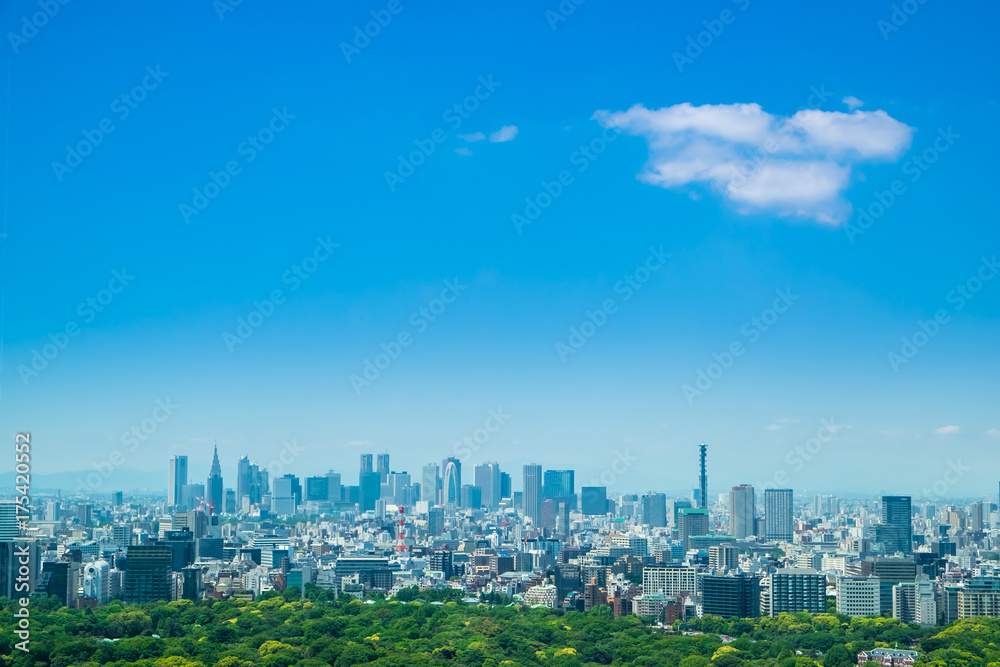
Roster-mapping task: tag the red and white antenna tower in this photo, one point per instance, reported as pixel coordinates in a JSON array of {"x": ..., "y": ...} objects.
[{"x": 401, "y": 533}]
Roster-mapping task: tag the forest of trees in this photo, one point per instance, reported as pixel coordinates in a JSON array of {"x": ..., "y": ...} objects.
[{"x": 433, "y": 628}]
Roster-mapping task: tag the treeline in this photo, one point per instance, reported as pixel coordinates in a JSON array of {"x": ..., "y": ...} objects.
[{"x": 435, "y": 628}]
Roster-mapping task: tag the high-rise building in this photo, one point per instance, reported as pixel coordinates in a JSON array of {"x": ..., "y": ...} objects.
[
  {"x": 366, "y": 464},
  {"x": 369, "y": 490},
  {"x": 177, "y": 477},
  {"x": 742, "y": 511},
  {"x": 654, "y": 510},
  {"x": 435, "y": 520},
  {"x": 430, "y": 483},
  {"x": 214, "y": 485},
  {"x": 451, "y": 489},
  {"x": 669, "y": 580},
  {"x": 895, "y": 532},
  {"x": 723, "y": 557},
  {"x": 532, "y": 498},
  {"x": 915, "y": 602},
  {"x": 283, "y": 496},
  {"x": 594, "y": 500},
  {"x": 334, "y": 488},
  {"x": 318, "y": 488},
  {"x": 383, "y": 467},
  {"x": 148, "y": 574},
  {"x": 15, "y": 554},
  {"x": 9, "y": 525},
  {"x": 472, "y": 497},
  {"x": 558, "y": 484},
  {"x": 778, "y": 512},
  {"x": 731, "y": 596},
  {"x": 980, "y": 596},
  {"x": 859, "y": 596},
  {"x": 892, "y": 570},
  {"x": 505, "y": 487},
  {"x": 487, "y": 478},
  {"x": 791, "y": 590},
  {"x": 692, "y": 523},
  {"x": 251, "y": 484}
]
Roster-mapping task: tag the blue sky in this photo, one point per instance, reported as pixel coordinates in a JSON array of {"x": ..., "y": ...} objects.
[{"x": 339, "y": 123}]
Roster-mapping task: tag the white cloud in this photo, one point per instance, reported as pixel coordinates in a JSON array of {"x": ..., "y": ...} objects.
[
  {"x": 947, "y": 430},
  {"x": 798, "y": 166},
  {"x": 505, "y": 133},
  {"x": 993, "y": 433},
  {"x": 772, "y": 427},
  {"x": 892, "y": 433},
  {"x": 475, "y": 136},
  {"x": 358, "y": 443},
  {"x": 463, "y": 151},
  {"x": 853, "y": 102}
]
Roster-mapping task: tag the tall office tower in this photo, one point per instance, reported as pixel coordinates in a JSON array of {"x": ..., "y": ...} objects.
[
  {"x": 730, "y": 597},
  {"x": 369, "y": 490},
  {"x": 317, "y": 488},
  {"x": 674, "y": 508},
  {"x": 703, "y": 478},
  {"x": 692, "y": 523},
  {"x": 383, "y": 466},
  {"x": 9, "y": 527},
  {"x": 594, "y": 500},
  {"x": 472, "y": 497},
  {"x": 334, "y": 487},
  {"x": 532, "y": 498},
  {"x": 895, "y": 532},
  {"x": 430, "y": 481},
  {"x": 859, "y": 596},
  {"x": 283, "y": 499},
  {"x": 177, "y": 477},
  {"x": 977, "y": 516},
  {"x": 558, "y": 484},
  {"x": 52, "y": 509},
  {"x": 251, "y": 483},
  {"x": 148, "y": 574},
  {"x": 214, "y": 486},
  {"x": 398, "y": 483},
  {"x": 487, "y": 478},
  {"x": 20, "y": 562},
  {"x": 451, "y": 490},
  {"x": 778, "y": 512},
  {"x": 654, "y": 510},
  {"x": 191, "y": 495},
  {"x": 435, "y": 521},
  {"x": 230, "y": 501},
  {"x": 119, "y": 498},
  {"x": 505, "y": 487},
  {"x": 791, "y": 590},
  {"x": 742, "y": 511},
  {"x": 366, "y": 463},
  {"x": 121, "y": 535}
]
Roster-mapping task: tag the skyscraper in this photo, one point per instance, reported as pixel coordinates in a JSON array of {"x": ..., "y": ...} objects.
[
  {"x": 451, "y": 489},
  {"x": 558, "y": 484},
  {"x": 430, "y": 481},
  {"x": 895, "y": 532},
  {"x": 383, "y": 467},
  {"x": 742, "y": 511},
  {"x": 214, "y": 485},
  {"x": 487, "y": 478},
  {"x": 251, "y": 483},
  {"x": 366, "y": 463},
  {"x": 533, "y": 493},
  {"x": 370, "y": 490},
  {"x": 177, "y": 477},
  {"x": 148, "y": 574},
  {"x": 778, "y": 512},
  {"x": 654, "y": 510}
]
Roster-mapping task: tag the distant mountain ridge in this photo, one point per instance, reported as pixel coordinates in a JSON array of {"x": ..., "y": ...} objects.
[{"x": 121, "y": 479}]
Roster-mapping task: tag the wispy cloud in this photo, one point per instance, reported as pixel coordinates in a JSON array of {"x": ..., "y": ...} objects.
[
  {"x": 358, "y": 443},
  {"x": 505, "y": 133},
  {"x": 471, "y": 138},
  {"x": 947, "y": 430},
  {"x": 463, "y": 151},
  {"x": 780, "y": 423},
  {"x": 853, "y": 102},
  {"x": 795, "y": 166},
  {"x": 993, "y": 433}
]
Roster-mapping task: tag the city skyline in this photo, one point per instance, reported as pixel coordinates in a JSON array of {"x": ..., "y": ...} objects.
[{"x": 497, "y": 314}]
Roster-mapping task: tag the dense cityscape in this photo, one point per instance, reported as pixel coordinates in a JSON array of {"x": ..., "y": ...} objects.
[{"x": 743, "y": 554}]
